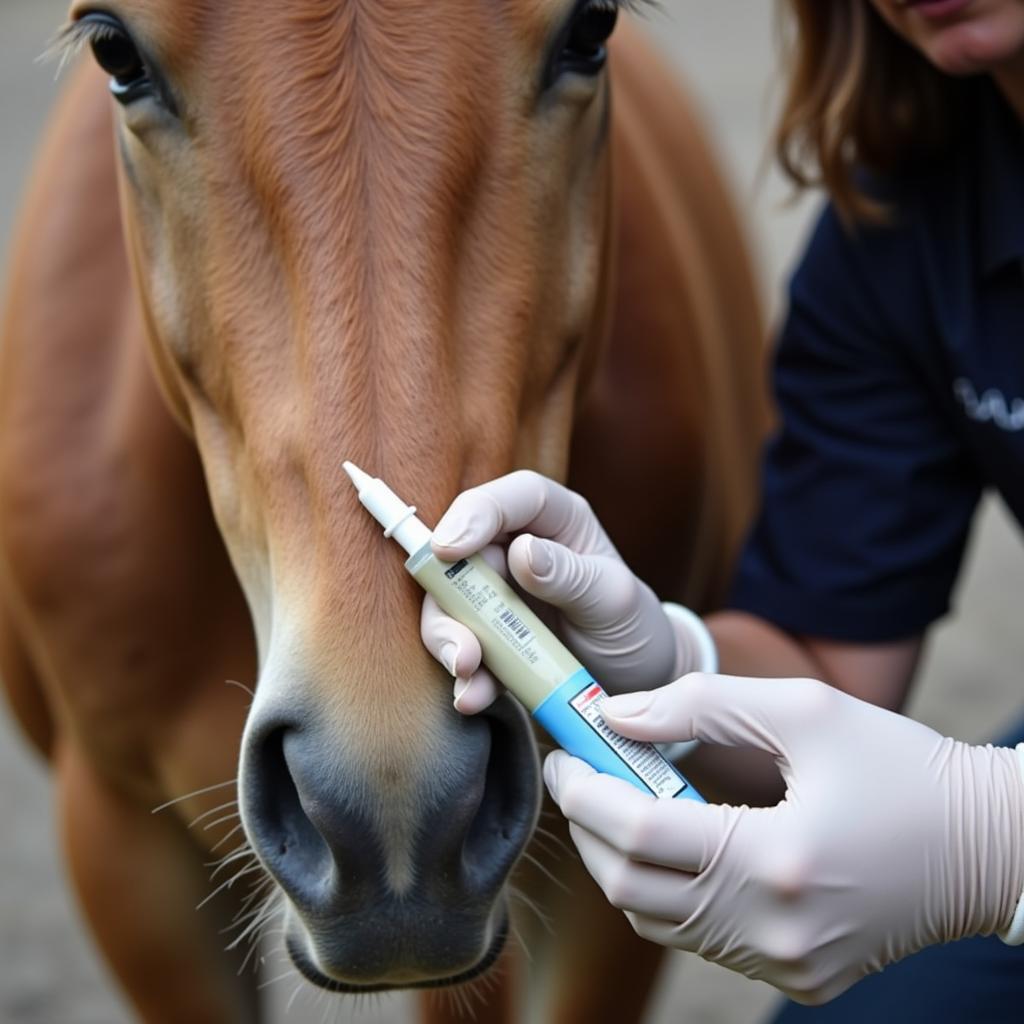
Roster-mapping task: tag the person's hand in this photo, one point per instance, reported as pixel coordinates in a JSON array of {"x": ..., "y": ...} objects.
[
  {"x": 890, "y": 838},
  {"x": 561, "y": 555}
]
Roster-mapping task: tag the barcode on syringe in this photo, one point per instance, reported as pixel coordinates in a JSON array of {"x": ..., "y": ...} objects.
[{"x": 515, "y": 624}]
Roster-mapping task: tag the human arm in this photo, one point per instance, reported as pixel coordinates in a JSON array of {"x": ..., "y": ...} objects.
[
  {"x": 750, "y": 646},
  {"x": 890, "y": 838}
]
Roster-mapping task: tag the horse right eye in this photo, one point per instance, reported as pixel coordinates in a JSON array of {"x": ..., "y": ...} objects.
[{"x": 118, "y": 55}]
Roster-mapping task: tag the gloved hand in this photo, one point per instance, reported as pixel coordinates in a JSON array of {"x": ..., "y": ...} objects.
[
  {"x": 611, "y": 620},
  {"x": 890, "y": 838}
]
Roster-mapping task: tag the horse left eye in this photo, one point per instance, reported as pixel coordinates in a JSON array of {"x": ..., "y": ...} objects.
[{"x": 583, "y": 50}]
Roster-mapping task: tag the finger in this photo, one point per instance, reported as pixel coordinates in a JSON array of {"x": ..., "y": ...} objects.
[
  {"x": 678, "y": 834},
  {"x": 664, "y": 932},
  {"x": 458, "y": 649},
  {"x": 450, "y": 642},
  {"x": 768, "y": 714},
  {"x": 594, "y": 592},
  {"x": 477, "y": 693},
  {"x": 815, "y": 993},
  {"x": 633, "y": 887},
  {"x": 607, "y": 613},
  {"x": 801, "y": 979},
  {"x": 523, "y": 500},
  {"x": 784, "y": 950},
  {"x": 447, "y": 639}
]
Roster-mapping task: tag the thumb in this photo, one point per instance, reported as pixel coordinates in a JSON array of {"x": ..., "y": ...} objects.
[
  {"x": 595, "y": 592},
  {"x": 767, "y": 714},
  {"x": 680, "y": 834}
]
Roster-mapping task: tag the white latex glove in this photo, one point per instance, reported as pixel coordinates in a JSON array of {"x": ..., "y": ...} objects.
[
  {"x": 890, "y": 838},
  {"x": 611, "y": 620}
]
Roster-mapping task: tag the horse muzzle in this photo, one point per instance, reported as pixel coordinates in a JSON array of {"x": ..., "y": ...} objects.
[{"x": 394, "y": 877}]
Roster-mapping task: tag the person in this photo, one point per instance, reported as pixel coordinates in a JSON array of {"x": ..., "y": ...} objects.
[{"x": 898, "y": 377}]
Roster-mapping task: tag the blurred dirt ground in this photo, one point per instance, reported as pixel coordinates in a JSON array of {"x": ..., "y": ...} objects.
[{"x": 971, "y": 683}]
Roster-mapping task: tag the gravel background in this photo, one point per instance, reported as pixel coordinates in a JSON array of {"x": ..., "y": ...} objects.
[{"x": 970, "y": 686}]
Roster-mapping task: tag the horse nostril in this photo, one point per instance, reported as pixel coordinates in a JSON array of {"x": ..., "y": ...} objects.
[
  {"x": 511, "y": 800},
  {"x": 395, "y": 868},
  {"x": 280, "y": 830},
  {"x": 339, "y": 841}
]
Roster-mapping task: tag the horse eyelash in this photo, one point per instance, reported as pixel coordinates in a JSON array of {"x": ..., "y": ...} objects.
[
  {"x": 639, "y": 7},
  {"x": 72, "y": 38}
]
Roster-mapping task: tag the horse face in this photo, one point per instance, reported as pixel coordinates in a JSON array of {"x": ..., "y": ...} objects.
[{"x": 376, "y": 231}]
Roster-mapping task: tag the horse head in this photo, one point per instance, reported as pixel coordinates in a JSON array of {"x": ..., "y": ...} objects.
[{"x": 372, "y": 230}]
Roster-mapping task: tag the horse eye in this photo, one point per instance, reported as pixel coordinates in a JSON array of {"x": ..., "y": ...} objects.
[
  {"x": 115, "y": 52},
  {"x": 583, "y": 49}
]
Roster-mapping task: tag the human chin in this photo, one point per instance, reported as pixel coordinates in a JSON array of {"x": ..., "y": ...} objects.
[{"x": 987, "y": 42}]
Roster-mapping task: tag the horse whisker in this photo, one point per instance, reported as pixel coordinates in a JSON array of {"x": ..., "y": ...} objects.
[
  {"x": 220, "y": 842},
  {"x": 298, "y": 989},
  {"x": 274, "y": 981},
  {"x": 518, "y": 935},
  {"x": 196, "y": 792},
  {"x": 242, "y": 847},
  {"x": 219, "y": 821},
  {"x": 545, "y": 871},
  {"x": 260, "y": 891},
  {"x": 241, "y": 686},
  {"x": 213, "y": 810},
  {"x": 254, "y": 945},
  {"x": 467, "y": 1002},
  {"x": 556, "y": 839},
  {"x": 229, "y": 882},
  {"x": 232, "y": 860},
  {"x": 532, "y": 906},
  {"x": 542, "y": 846},
  {"x": 266, "y": 912}
]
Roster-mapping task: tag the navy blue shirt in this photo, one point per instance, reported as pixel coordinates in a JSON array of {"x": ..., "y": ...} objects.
[{"x": 899, "y": 381}]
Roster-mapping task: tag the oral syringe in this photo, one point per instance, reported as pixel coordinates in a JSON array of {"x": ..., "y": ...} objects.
[{"x": 520, "y": 650}]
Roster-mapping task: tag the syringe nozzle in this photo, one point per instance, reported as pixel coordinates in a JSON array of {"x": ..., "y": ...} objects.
[{"x": 357, "y": 476}]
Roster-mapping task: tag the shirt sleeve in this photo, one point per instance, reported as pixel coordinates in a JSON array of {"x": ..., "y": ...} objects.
[{"x": 867, "y": 489}]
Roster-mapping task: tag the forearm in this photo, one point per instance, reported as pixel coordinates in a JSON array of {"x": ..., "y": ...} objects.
[
  {"x": 879, "y": 673},
  {"x": 750, "y": 646}
]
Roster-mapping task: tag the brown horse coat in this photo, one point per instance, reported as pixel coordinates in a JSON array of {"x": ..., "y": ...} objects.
[{"x": 609, "y": 333}]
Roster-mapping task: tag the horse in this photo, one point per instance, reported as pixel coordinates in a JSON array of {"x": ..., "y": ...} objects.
[{"x": 441, "y": 240}]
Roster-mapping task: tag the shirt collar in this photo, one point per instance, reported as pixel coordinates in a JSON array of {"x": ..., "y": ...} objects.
[{"x": 1001, "y": 186}]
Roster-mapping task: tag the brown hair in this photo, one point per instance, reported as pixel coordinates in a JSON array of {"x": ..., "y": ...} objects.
[{"x": 858, "y": 96}]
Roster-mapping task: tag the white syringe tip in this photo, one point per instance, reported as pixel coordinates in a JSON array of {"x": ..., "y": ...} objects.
[
  {"x": 398, "y": 519},
  {"x": 357, "y": 476}
]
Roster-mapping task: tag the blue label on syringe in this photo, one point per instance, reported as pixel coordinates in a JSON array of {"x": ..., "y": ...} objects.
[{"x": 572, "y": 716}]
